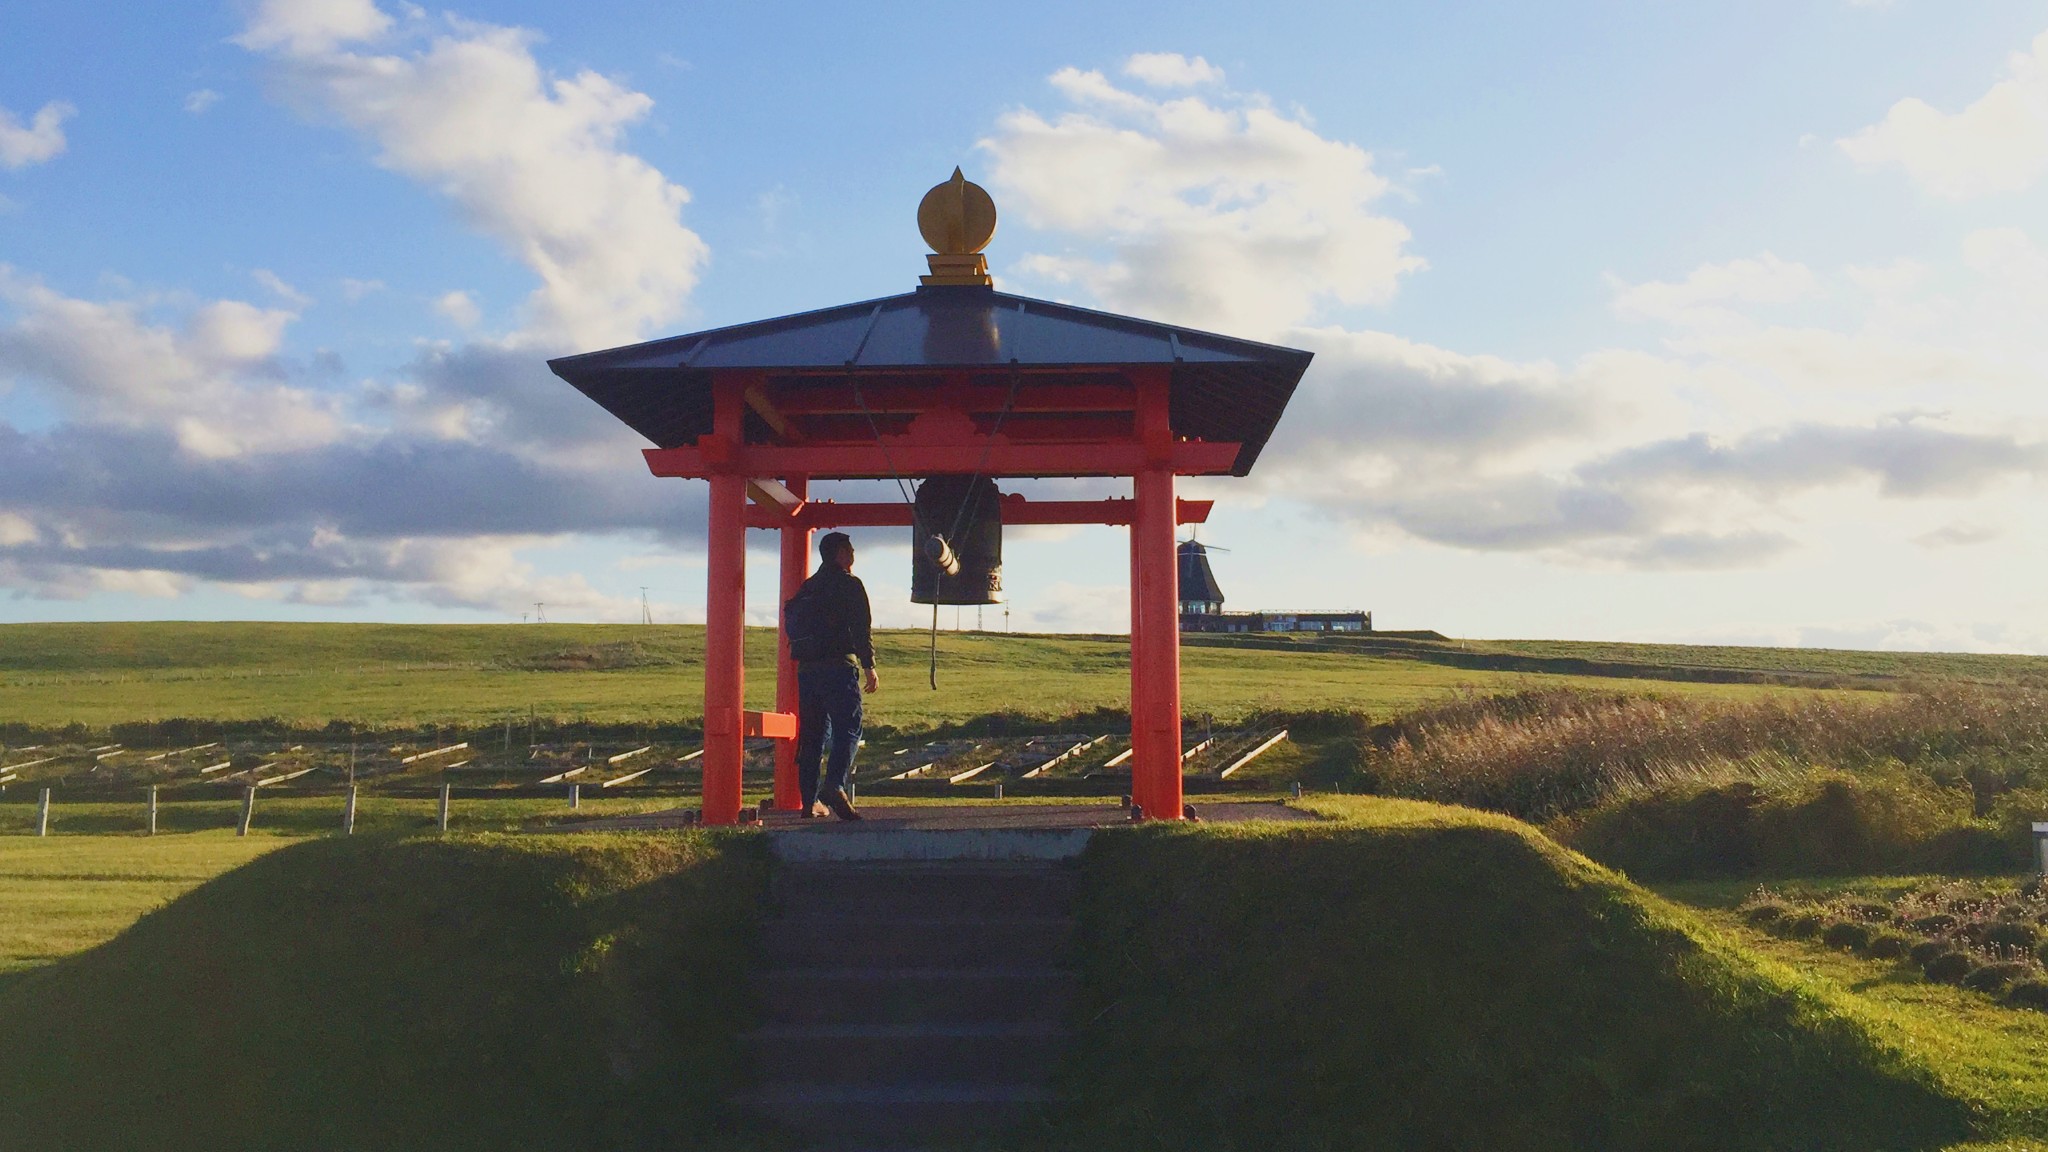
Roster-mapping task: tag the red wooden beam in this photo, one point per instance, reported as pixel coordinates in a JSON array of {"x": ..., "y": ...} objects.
[
  {"x": 774, "y": 725},
  {"x": 1016, "y": 510},
  {"x": 714, "y": 455}
]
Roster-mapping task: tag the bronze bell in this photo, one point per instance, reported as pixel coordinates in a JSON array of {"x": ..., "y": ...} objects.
[{"x": 956, "y": 542}]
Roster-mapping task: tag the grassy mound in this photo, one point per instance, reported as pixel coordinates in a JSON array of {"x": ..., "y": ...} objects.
[
  {"x": 1422, "y": 977},
  {"x": 476, "y": 992}
]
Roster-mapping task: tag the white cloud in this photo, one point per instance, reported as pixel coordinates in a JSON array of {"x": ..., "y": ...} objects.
[
  {"x": 1708, "y": 291},
  {"x": 1958, "y": 535},
  {"x": 353, "y": 290},
  {"x": 531, "y": 160},
  {"x": 213, "y": 379},
  {"x": 38, "y": 141},
  {"x": 1997, "y": 144},
  {"x": 198, "y": 101},
  {"x": 1227, "y": 215},
  {"x": 283, "y": 291},
  {"x": 308, "y": 27},
  {"x": 461, "y": 308},
  {"x": 1172, "y": 70}
]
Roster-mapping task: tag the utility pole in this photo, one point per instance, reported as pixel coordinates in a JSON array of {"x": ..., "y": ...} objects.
[
  {"x": 540, "y": 612},
  {"x": 646, "y": 614}
]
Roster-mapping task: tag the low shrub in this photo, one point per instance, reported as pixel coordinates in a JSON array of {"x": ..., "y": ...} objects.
[
  {"x": 2017, "y": 935},
  {"x": 1950, "y": 967},
  {"x": 1887, "y": 945},
  {"x": 2041, "y": 954},
  {"x": 1804, "y": 924},
  {"x": 1939, "y": 922},
  {"x": 1873, "y": 910},
  {"x": 2029, "y": 994},
  {"x": 1765, "y": 913},
  {"x": 1804, "y": 822},
  {"x": 1846, "y": 934},
  {"x": 1928, "y": 951},
  {"x": 1993, "y": 978}
]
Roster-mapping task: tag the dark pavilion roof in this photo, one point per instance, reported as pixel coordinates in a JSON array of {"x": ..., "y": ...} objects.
[{"x": 1223, "y": 389}]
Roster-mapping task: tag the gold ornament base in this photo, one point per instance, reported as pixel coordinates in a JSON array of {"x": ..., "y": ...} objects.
[{"x": 964, "y": 269}]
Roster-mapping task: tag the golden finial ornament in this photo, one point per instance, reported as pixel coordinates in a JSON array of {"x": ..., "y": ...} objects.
[{"x": 958, "y": 219}]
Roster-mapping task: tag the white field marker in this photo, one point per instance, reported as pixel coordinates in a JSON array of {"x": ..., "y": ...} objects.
[
  {"x": 630, "y": 776},
  {"x": 418, "y": 756},
  {"x": 1252, "y": 755},
  {"x": 283, "y": 778},
  {"x": 1120, "y": 757},
  {"x": 1063, "y": 757},
  {"x": 182, "y": 751},
  {"x": 629, "y": 755},
  {"x": 690, "y": 757},
  {"x": 558, "y": 777},
  {"x": 212, "y": 768},
  {"x": 105, "y": 748},
  {"x": 970, "y": 774},
  {"x": 29, "y": 763},
  {"x": 1198, "y": 749}
]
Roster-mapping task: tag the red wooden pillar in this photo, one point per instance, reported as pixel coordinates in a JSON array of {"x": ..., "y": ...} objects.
[
  {"x": 1157, "y": 648},
  {"x": 725, "y": 606},
  {"x": 796, "y": 554},
  {"x": 1138, "y": 678}
]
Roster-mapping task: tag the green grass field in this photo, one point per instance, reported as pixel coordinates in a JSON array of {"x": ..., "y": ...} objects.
[
  {"x": 398, "y": 676},
  {"x": 1404, "y": 975},
  {"x": 64, "y": 895}
]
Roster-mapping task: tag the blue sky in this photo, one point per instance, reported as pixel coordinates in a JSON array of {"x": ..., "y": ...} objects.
[{"x": 1711, "y": 322}]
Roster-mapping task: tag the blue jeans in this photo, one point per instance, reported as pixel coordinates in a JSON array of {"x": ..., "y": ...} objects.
[{"x": 828, "y": 708}]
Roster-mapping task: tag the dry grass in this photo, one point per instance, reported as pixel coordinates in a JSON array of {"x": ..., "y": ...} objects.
[{"x": 1552, "y": 752}]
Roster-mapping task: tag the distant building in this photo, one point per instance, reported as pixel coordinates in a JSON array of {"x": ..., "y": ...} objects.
[{"x": 1201, "y": 605}]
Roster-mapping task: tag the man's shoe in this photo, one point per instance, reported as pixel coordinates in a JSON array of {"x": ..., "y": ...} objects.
[
  {"x": 841, "y": 806},
  {"x": 817, "y": 811}
]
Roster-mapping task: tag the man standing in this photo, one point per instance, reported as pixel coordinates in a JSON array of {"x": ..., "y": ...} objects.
[{"x": 828, "y": 623}]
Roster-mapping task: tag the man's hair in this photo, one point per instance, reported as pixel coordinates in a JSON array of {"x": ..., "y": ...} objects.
[{"x": 830, "y": 544}]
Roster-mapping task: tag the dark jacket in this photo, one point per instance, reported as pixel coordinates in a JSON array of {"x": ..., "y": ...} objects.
[{"x": 844, "y": 600}]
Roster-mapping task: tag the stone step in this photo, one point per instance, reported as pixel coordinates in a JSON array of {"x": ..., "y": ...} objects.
[
  {"x": 915, "y": 941},
  {"x": 881, "y": 1054},
  {"x": 894, "y": 890},
  {"x": 847, "y": 996},
  {"x": 865, "y": 1116}
]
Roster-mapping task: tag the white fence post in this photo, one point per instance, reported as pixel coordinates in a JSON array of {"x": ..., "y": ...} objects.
[
  {"x": 43, "y": 814},
  {"x": 152, "y": 809},
  {"x": 348, "y": 813},
  {"x": 444, "y": 808},
  {"x": 248, "y": 810},
  {"x": 575, "y": 795}
]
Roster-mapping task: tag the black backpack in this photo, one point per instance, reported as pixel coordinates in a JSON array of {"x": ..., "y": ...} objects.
[{"x": 808, "y": 623}]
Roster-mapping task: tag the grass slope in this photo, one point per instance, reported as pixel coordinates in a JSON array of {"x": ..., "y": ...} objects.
[
  {"x": 391, "y": 675},
  {"x": 1994, "y": 1056},
  {"x": 480, "y": 992},
  {"x": 66, "y": 894},
  {"x": 1421, "y": 977}
]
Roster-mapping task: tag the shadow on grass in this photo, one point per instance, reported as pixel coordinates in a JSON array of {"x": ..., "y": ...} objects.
[
  {"x": 1340, "y": 986},
  {"x": 476, "y": 992}
]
